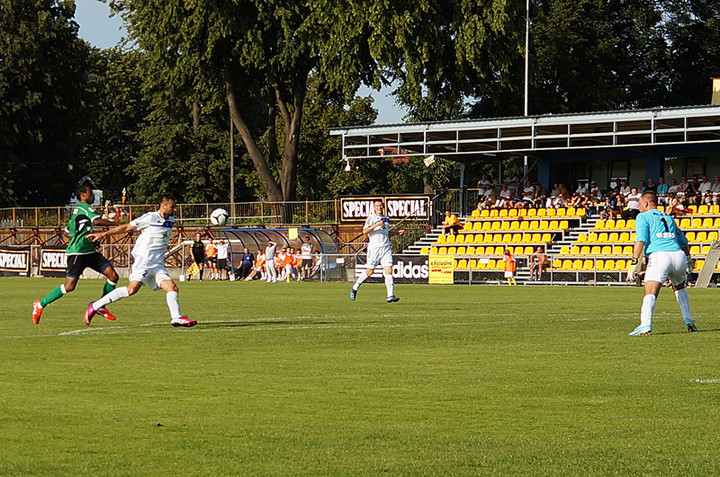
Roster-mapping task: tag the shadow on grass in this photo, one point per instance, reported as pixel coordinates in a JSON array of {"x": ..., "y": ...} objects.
[{"x": 237, "y": 324}]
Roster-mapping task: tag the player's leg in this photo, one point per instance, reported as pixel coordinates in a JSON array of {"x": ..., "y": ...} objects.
[
  {"x": 173, "y": 302},
  {"x": 111, "y": 282},
  {"x": 386, "y": 261},
  {"x": 677, "y": 279},
  {"x": 76, "y": 266},
  {"x": 371, "y": 262}
]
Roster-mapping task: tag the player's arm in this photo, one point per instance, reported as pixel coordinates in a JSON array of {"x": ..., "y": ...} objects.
[
  {"x": 372, "y": 227},
  {"x": 120, "y": 229},
  {"x": 638, "y": 250},
  {"x": 104, "y": 222}
]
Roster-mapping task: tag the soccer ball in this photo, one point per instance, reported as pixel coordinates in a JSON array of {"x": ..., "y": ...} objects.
[{"x": 219, "y": 217}]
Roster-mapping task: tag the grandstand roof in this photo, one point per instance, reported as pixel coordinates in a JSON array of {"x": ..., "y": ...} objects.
[{"x": 645, "y": 130}]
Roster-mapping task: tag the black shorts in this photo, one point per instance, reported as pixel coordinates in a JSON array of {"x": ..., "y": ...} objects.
[
  {"x": 306, "y": 263},
  {"x": 222, "y": 263},
  {"x": 78, "y": 263},
  {"x": 199, "y": 259}
]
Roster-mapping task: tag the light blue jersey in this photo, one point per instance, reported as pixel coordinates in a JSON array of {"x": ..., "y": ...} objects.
[{"x": 659, "y": 232}]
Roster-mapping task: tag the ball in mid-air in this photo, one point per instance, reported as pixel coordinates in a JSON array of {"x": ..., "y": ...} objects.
[{"x": 219, "y": 217}]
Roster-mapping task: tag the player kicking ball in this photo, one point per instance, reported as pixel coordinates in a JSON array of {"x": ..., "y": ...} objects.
[
  {"x": 149, "y": 266},
  {"x": 667, "y": 252},
  {"x": 81, "y": 253},
  {"x": 379, "y": 252}
]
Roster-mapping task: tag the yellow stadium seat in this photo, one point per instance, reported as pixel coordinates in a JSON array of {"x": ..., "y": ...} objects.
[
  {"x": 705, "y": 249},
  {"x": 517, "y": 238},
  {"x": 485, "y": 213},
  {"x": 661, "y": 208},
  {"x": 631, "y": 224},
  {"x": 487, "y": 225},
  {"x": 550, "y": 213},
  {"x": 712, "y": 236},
  {"x": 442, "y": 251},
  {"x": 593, "y": 237},
  {"x": 475, "y": 214},
  {"x": 499, "y": 250},
  {"x": 701, "y": 237},
  {"x": 602, "y": 237},
  {"x": 561, "y": 212},
  {"x": 715, "y": 210},
  {"x": 503, "y": 213},
  {"x": 610, "y": 224},
  {"x": 461, "y": 251},
  {"x": 588, "y": 265},
  {"x": 470, "y": 250},
  {"x": 535, "y": 238},
  {"x": 528, "y": 250},
  {"x": 513, "y": 213},
  {"x": 522, "y": 213},
  {"x": 535, "y": 224},
  {"x": 545, "y": 238},
  {"x": 696, "y": 223},
  {"x": 494, "y": 213},
  {"x": 433, "y": 250},
  {"x": 479, "y": 250},
  {"x": 582, "y": 238},
  {"x": 541, "y": 213},
  {"x": 577, "y": 264},
  {"x": 554, "y": 225},
  {"x": 468, "y": 226},
  {"x": 595, "y": 250},
  {"x": 624, "y": 237},
  {"x": 424, "y": 251},
  {"x": 506, "y": 238},
  {"x": 606, "y": 250},
  {"x": 565, "y": 250},
  {"x": 460, "y": 264},
  {"x": 632, "y": 237},
  {"x": 488, "y": 238},
  {"x": 684, "y": 224},
  {"x": 703, "y": 209},
  {"x": 609, "y": 264},
  {"x": 505, "y": 225},
  {"x": 620, "y": 224},
  {"x": 451, "y": 250},
  {"x": 692, "y": 209},
  {"x": 531, "y": 212},
  {"x": 695, "y": 249},
  {"x": 716, "y": 223},
  {"x": 442, "y": 239},
  {"x": 480, "y": 265},
  {"x": 617, "y": 250},
  {"x": 574, "y": 250},
  {"x": 707, "y": 223},
  {"x": 492, "y": 264},
  {"x": 450, "y": 239},
  {"x": 496, "y": 226},
  {"x": 627, "y": 250},
  {"x": 514, "y": 225},
  {"x": 585, "y": 250},
  {"x": 690, "y": 236},
  {"x": 525, "y": 225},
  {"x": 477, "y": 226},
  {"x": 620, "y": 265},
  {"x": 564, "y": 225},
  {"x": 613, "y": 237},
  {"x": 544, "y": 225},
  {"x": 566, "y": 264}
]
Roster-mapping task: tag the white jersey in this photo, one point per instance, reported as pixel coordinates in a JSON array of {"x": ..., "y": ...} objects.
[
  {"x": 155, "y": 233},
  {"x": 307, "y": 250},
  {"x": 222, "y": 251},
  {"x": 379, "y": 237}
]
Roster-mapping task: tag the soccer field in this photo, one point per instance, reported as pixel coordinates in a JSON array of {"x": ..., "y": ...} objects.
[{"x": 294, "y": 379}]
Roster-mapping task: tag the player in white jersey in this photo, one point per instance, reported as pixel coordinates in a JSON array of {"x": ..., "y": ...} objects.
[
  {"x": 379, "y": 252},
  {"x": 149, "y": 266},
  {"x": 667, "y": 252}
]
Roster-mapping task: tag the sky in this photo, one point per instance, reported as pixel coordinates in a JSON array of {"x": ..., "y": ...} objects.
[{"x": 103, "y": 31}]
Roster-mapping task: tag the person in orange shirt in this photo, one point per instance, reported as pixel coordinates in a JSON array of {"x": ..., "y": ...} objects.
[
  {"x": 211, "y": 254},
  {"x": 289, "y": 271},
  {"x": 510, "y": 267}
]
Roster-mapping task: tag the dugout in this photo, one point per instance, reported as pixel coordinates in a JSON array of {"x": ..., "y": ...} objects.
[
  {"x": 567, "y": 148},
  {"x": 257, "y": 239}
]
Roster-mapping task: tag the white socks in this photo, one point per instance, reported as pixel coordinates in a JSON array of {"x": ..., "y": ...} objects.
[
  {"x": 173, "y": 304},
  {"x": 359, "y": 281},
  {"x": 115, "y": 295},
  {"x": 684, "y": 302},
  {"x": 389, "y": 284},
  {"x": 646, "y": 312}
]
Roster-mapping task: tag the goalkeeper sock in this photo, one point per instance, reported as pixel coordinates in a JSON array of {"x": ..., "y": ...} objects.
[
  {"x": 173, "y": 304},
  {"x": 58, "y": 292},
  {"x": 648, "y": 307},
  {"x": 109, "y": 286},
  {"x": 684, "y": 301},
  {"x": 359, "y": 280}
]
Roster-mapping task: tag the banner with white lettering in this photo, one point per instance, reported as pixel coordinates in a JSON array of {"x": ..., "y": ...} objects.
[
  {"x": 406, "y": 269},
  {"x": 15, "y": 260},
  {"x": 397, "y": 207},
  {"x": 53, "y": 262}
]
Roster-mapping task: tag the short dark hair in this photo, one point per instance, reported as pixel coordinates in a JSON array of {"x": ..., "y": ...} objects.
[
  {"x": 81, "y": 188},
  {"x": 650, "y": 196},
  {"x": 166, "y": 197}
]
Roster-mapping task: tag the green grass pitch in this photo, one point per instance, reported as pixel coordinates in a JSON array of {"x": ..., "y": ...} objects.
[{"x": 294, "y": 379}]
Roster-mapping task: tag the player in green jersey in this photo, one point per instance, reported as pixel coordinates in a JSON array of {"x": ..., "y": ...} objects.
[{"x": 81, "y": 253}]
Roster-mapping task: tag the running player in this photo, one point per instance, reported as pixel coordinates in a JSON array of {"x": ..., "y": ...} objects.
[
  {"x": 149, "y": 266},
  {"x": 81, "y": 253},
  {"x": 667, "y": 252},
  {"x": 379, "y": 252}
]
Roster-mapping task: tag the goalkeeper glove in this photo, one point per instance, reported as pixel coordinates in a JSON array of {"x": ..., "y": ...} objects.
[
  {"x": 634, "y": 261},
  {"x": 691, "y": 265}
]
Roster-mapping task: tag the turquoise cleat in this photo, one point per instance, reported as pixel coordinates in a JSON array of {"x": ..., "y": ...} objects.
[{"x": 641, "y": 330}]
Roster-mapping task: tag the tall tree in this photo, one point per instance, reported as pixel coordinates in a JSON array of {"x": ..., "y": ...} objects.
[
  {"x": 42, "y": 73},
  {"x": 256, "y": 55}
]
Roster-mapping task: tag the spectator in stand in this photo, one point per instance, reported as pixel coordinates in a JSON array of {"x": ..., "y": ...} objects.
[
  {"x": 563, "y": 197},
  {"x": 624, "y": 188},
  {"x": 510, "y": 267},
  {"x": 674, "y": 187},
  {"x": 582, "y": 188},
  {"x": 550, "y": 202},
  {"x": 675, "y": 207},
  {"x": 538, "y": 262},
  {"x": 528, "y": 195},
  {"x": 211, "y": 254},
  {"x": 222, "y": 256},
  {"x": 512, "y": 183},
  {"x": 662, "y": 190},
  {"x": 633, "y": 205},
  {"x": 247, "y": 263},
  {"x": 641, "y": 187},
  {"x": 539, "y": 197},
  {"x": 651, "y": 185},
  {"x": 715, "y": 189},
  {"x": 451, "y": 224},
  {"x": 705, "y": 185},
  {"x": 505, "y": 198},
  {"x": 707, "y": 199},
  {"x": 693, "y": 194},
  {"x": 609, "y": 209},
  {"x": 596, "y": 195},
  {"x": 484, "y": 186}
]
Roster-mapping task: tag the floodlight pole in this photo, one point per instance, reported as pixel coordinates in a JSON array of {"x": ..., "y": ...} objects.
[
  {"x": 527, "y": 68},
  {"x": 232, "y": 169}
]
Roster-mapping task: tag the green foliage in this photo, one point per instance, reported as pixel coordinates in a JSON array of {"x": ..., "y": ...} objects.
[{"x": 42, "y": 74}]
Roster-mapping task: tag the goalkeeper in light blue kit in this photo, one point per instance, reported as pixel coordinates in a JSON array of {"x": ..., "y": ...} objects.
[
  {"x": 379, "y": 251},
  {"x": 668, "y": 255}
]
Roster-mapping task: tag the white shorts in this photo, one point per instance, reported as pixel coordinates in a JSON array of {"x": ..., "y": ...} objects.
[
  {"x": 379, "y": 256},
  {"x": 150, "y": 274},
  {"x": 509, "y": 274},
  {"x": 664, "y": 265}
]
